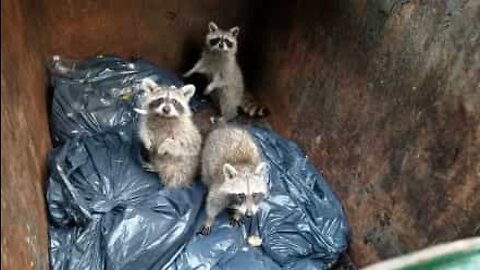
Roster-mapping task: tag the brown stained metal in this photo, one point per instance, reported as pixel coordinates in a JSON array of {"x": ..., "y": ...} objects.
[
  {"x": 384, "y": 97},
  {"x": 165, "y": 32},
  {"x": 169, "y": 33},
  {"x": 25, "y": 141}
]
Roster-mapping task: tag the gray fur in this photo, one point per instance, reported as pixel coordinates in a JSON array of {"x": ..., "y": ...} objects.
[
  {"x": 172, "y": 139},
  {"x": 232, "y": 165},
  {"x": 219, "y": 63}
]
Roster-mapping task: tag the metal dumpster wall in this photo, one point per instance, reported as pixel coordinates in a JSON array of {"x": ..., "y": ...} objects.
[
  {"x": 25, "y": 141},
  {"x": 384, "y": 96},
  {"x": 168, "y": 33}
]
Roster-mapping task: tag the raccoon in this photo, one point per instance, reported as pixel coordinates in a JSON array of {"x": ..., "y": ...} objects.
[
  {"x": 168, "y": 133},
  {"x": 235, "y": 174},
  {"x": 219, "y": 63}
]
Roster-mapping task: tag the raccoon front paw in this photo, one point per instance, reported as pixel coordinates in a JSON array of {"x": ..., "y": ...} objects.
[
  {"x": 148, "y": 166},
  {"x": 162, "y": 151},
  {"x": 168, "y": 146},
  {"x": 147, "y": 145},
  {"x": 213, "y": 120},
  {"x": 206, "y": 230},
  {"x": 217, "y": 120},
  {"x": 169, "y": 141},
  {"x": 209, "y": 89},
  {"x": 187, "y": 74},
  {"x": 236, "y": 221}
]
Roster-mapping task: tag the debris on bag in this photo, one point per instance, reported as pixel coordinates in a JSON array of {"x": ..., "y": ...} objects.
[{"x": 253, "y": 238}]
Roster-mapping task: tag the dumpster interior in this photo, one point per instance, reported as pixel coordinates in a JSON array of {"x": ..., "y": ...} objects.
[{"x": 382, "y": 95}]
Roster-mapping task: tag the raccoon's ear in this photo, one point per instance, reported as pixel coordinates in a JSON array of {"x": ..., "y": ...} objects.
[
  {"x": 229, "y": 171},
  {"x": 188, "y": 91},
  {"x": 212, "y": 27},
  {"x": 234, "y": 31},
  {"x": 261, "y": 168},
  {"x": 149, "y": 85}
]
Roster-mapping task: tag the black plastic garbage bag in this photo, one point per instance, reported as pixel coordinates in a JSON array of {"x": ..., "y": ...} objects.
[
  {"x": 106, "y": 212},
  {"x": 93, "y": 95},
  {"x": 302, "y": 224}
]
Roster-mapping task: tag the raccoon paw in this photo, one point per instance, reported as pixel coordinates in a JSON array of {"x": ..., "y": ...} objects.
[
  {"x": 148, "y": 166},
  {"x": 217, "y": 120},
  {"x": 187, "y": 74},
  {"x": 167, "y": 147},
  {"x": 213, "y": 120},
  {"x": 236, "y": 221},
  {"x": 162, "y": 152},
  {"x": 147, "y": 145},
  {"x": 205, "y": 230},
  {"x": 210, "y": 88}
]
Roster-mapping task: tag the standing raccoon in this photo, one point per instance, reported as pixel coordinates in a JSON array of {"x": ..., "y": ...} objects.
[
  {"x": 219, "y": 63},
  {"x": 234, "y": 172},
  {"x": 168, "y": 133}
]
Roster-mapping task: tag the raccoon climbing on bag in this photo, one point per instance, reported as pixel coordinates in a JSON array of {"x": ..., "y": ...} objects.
[{"x": 235, "y": 173}]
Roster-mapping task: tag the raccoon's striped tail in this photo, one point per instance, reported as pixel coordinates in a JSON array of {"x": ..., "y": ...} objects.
[{"x": 251, "y": 107}]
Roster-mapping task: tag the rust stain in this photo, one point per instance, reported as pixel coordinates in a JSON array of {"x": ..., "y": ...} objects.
[{"x": 391, "y": 127}]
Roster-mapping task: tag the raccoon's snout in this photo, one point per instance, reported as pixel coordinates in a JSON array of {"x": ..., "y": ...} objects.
[
  {"x": 221, "y": 43},
  {"x": 166, "y": 110},
  {"x": 249, "y": 213}
]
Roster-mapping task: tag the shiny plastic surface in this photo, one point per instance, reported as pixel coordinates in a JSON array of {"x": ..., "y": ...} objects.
[{"x": 95, "y": 94}]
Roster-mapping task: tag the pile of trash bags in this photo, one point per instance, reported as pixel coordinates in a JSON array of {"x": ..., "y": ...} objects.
[{"x": 107, "y": 212}]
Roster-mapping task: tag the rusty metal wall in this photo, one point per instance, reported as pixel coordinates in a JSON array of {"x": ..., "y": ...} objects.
[
  {"x": 169, "y": 33},
  {"x": 25, "y": 141},
  {"x": 385, "y": 98}
]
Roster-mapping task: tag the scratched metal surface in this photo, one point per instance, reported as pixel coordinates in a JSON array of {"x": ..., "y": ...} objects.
[{"x": 384, "y": 96}]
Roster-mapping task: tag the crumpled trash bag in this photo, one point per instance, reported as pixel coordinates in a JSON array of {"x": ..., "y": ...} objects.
[
  {"x": 302, "y": 223},
  {"x": 106, "y": 212},
  {"x": 95, "y": 94}
]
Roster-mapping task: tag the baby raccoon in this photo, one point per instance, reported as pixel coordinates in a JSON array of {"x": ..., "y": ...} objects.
[
  {"x": 169, "y": 134},
  {"x": 219, "y": 62},
  {"x": 234, "y": 172}
]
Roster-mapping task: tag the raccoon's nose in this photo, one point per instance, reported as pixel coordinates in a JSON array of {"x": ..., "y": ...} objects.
[
  {"x": 166, "y": 109},
  {"x": 248, "y": 213}
]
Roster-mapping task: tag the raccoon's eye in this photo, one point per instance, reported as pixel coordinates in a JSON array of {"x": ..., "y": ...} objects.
[
  {"x": 229, "y": 43},
  {"x": 175, "y": 102},
  {"x": 214, "y": 41},
  {"x": 257, "y": 197},
  {"x": 155, "y": 103},
  {"x": 237, "y": 199}
]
